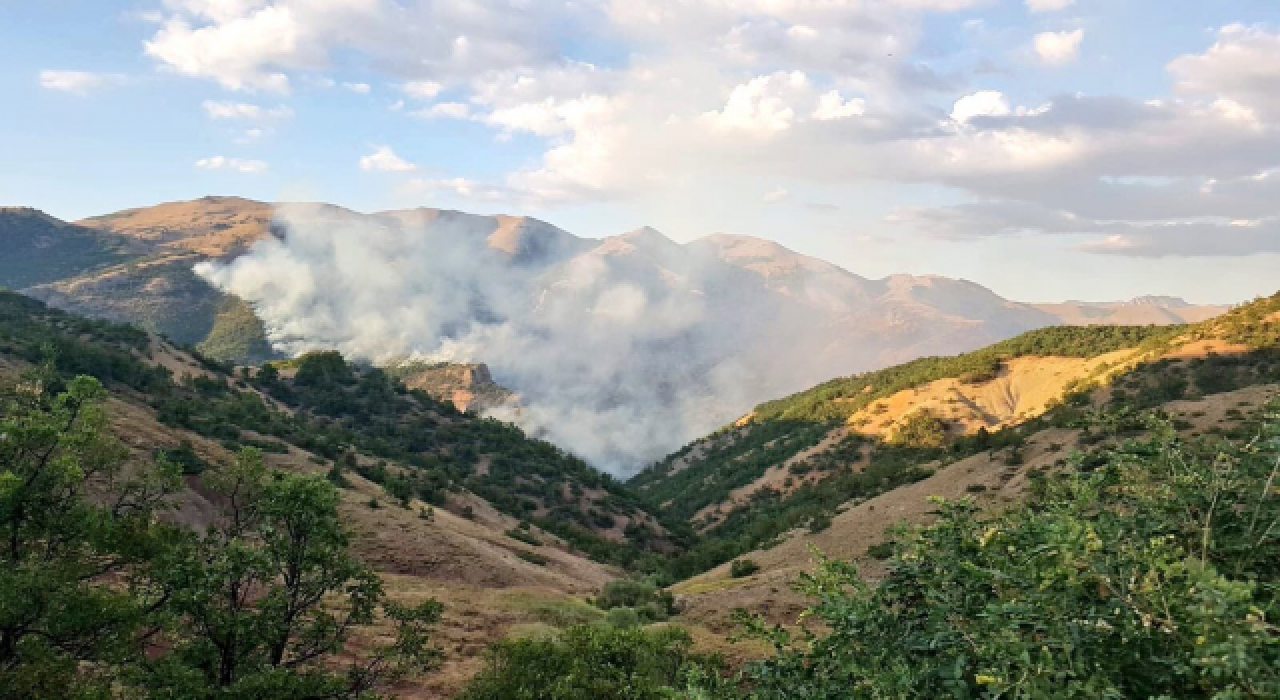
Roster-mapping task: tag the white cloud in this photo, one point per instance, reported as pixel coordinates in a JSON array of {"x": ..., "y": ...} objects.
[
  {"x": 236, "y": 164},
  {"x": 385, "y": 160},
  {"x": 1059, "y": 48},
  {"x": 790, "y": 91},
  {"x": 243, "y": 51},
  {"x": 1041, "y": 6},
  {"x": 250, "y": 136},
  {"x": 985, "y": 103},
  {"x": 358, "y": 88},
  {"x": 241, "y": 110},
  {"x": 446, "y": 110},
  {"x": 833, "y": 106},
  {"x": 77, "y": 82},
  {"x": 261, "y": 45},
  {"x": 1243, "y": 66},
  {"x": 760, "y": 107},
  {"x": 421, "y": 89}
]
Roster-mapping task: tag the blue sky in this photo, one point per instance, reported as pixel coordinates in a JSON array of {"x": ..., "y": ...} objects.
[{"x": 1048, "y": 149}]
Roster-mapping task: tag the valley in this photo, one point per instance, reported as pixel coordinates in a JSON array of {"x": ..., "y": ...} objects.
[{"x": 523, "y": 543}]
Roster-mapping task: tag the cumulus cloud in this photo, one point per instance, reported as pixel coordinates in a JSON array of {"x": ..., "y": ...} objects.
[
  {"x": 257, "y": 45},
  {"x": 1059, "y": 48},
  {"x": 241, "y": 110},
  {"x": 78, "y": 82},
  {"x": 235, "y": 164},
  {"x": 385, "y": 160},
  {"x": 832, "y": 106},
  {"x": 1243, "y": 66},
  {"x": 760, "y": 107},
  {"x": 986, "y": 103}
]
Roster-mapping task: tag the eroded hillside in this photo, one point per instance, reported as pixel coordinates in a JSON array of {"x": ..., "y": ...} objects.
[{"x": 798, "y": 462}]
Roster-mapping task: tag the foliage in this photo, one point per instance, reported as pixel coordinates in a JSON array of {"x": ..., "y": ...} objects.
[
  {"x": 1151, "y": 572},
  {"x": 58, "y": 544},
  {"x": 1255, "y": 325},
  {"x": 184, "y": 457},
  {"x": 650, "y": 602},
  {"x": 73, "y": 345},
  {"x": 98, "y": 598},
  {"x": 595, "y": 663},
  {"x": 237, "y": 336},
  {"x": 741, "y": 568},
  {"x": 920, "y": 429},
  {"x": 267, "y": 595}
]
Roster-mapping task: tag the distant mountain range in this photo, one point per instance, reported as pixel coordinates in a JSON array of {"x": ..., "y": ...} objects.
[{"x": 642, "y": 342}]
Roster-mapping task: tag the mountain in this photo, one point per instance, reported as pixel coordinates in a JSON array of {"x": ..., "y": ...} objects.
[
  {"x": 1136, "y": 312},
  {"x": 834, "y": 466},
  {"x": 39, "y": 248},
  {"x": 621, "y": 348}
]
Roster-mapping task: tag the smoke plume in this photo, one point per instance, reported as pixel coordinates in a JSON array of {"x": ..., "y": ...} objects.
[{"x": 621, "y": 349}]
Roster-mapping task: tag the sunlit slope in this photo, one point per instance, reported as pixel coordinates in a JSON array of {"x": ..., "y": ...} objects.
[{"x": 795, "y": 461}]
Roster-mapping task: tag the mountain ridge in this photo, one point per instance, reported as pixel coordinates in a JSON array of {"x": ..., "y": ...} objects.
[{"x": 621, "y": 348}]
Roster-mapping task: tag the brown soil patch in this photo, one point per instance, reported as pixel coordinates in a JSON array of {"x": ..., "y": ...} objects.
[{"x": 711, "y": 597}]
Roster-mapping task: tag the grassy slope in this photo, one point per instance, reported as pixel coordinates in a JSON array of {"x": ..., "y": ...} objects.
[
  {"x": 416, "y": 446},
  {"x": 1205, "y": 394},
  {"x": 736, "y": 484}
]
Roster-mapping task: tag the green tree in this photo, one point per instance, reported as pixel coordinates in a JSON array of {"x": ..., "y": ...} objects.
[
  {"x": 74, "y": 524},
  {"x": 920, "y": 429},
  {"x": 269, "y": 594}
]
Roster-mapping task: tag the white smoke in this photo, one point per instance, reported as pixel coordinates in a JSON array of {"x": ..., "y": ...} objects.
[
  {"x": 621, "y": 349},
  {"x": 613, "y": 363}
]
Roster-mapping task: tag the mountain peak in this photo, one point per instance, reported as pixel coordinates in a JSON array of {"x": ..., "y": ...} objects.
[
  {"x": 647, "y": 236},
  {"x": 1164, "y": 302}
]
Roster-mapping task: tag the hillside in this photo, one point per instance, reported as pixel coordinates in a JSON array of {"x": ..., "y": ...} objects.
[
  {"x": 620, "y": 348},
  {"x": 510, "y": 533},
  {"x": 943, "y": 425},
  {"x": 39, "y": 248}
]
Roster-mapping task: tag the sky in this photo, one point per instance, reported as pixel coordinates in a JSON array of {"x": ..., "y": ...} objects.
[{"x": 1048, "y": 149}]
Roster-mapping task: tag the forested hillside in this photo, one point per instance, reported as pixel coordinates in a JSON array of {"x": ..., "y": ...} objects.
[
  {"x": 352, "y": 418},
  {"x": 794, "y": 462}
]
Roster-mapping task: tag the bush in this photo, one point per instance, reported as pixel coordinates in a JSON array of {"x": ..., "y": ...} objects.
[
  {"x": 920, "y": 429},
  {"x": 741, "y": 568},
  {"x": 653, "y": 602},
  {"x": 595, "y": 663}
]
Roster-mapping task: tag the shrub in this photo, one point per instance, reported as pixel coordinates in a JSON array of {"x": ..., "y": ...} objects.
[
  {"x": 741, "y": 568},
  {"x": 596, "y": 663},
  {"x": 920, "y": 429},
  {"x": 642, "y": 595}
]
